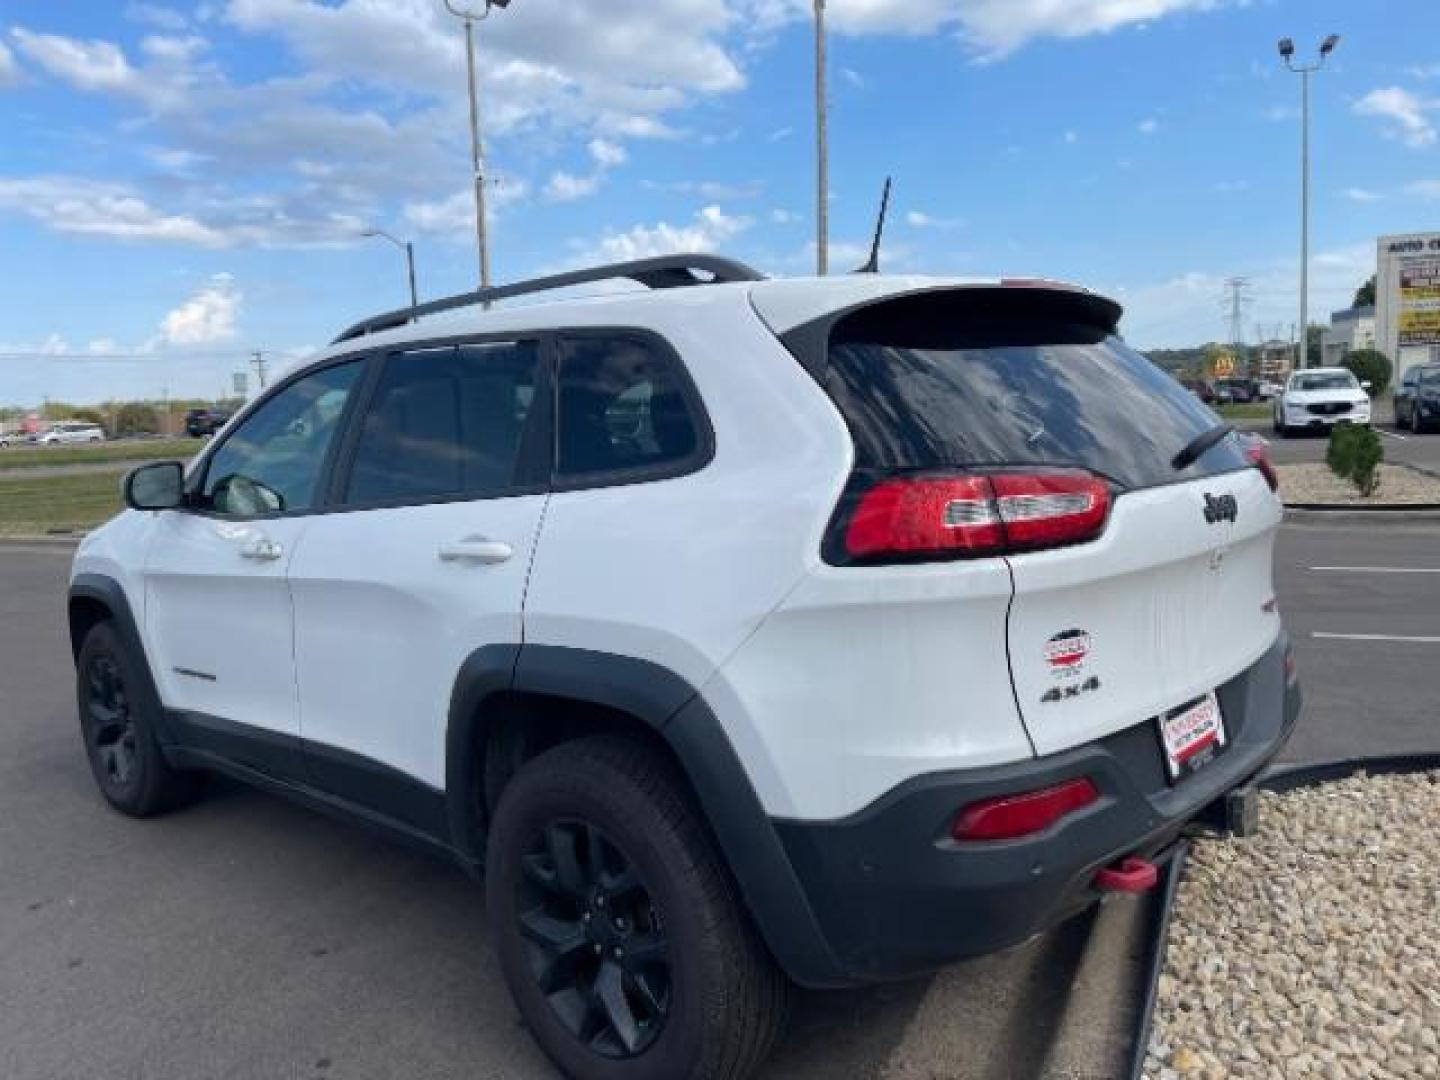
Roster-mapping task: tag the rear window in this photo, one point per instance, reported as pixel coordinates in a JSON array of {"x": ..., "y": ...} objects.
[
  {"x": 984, "y": 378},
  {"x": 1430, "y": 377}
]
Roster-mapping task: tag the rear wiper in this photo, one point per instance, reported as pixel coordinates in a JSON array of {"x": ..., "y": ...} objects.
[{"x": 1198, "y": 445}]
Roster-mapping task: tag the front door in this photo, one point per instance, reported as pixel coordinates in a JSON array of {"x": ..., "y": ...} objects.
[
  {"x": 424, "y": 561},
  {"x": 217, "y": 603}
]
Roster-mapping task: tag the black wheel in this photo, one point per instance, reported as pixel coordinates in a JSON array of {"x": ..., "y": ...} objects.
[
  {"x": 1417, "y": 425},
  {"x": 619, "y": 930},
  {"x": 118, "y": 730}
]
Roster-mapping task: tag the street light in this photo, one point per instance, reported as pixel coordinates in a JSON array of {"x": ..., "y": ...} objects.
[
  {"x": 477, "y": 152},
  {"x": 822, "y": 149},
  {"x": 405, "y": 246},
  {"x": 1287, "y": 53}
]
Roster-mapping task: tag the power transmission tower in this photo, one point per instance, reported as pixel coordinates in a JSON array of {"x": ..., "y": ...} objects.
[
  {"x": 1237, "y": 300},
  {"x": 259, "y": 363}
]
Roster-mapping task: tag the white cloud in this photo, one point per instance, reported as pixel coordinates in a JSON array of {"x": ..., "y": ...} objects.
[
  {"x": 1281, "y": 113},
  {"x": 607, "y": 155},
  {"x": 1426, "y": 189},
  {"x": 174, "y": 50},
  {"x": 708, "y": 230},
  {"x": 1405, "y": 113},
  {"x": 90, "y": 65},
  {"x": 991, "y": 27},
  {"x": 1423, "y": 71},
  {"x": 1231, "y": 187},
  {"x": 9, "y": 70},
  {"x": 784, "y": 217},
  {"x": 567, "y": 187},
  {"x": 1148, "y": 126},
  {"x": 100, "y": 208},
  {"x": 1361, "y": 195},
  {"x": 454, "y": 216},
  {"x": 779, "y": 134},
  {"x": 918, "y": 219},
  {"x": 155, "y": 15},
  {"x": 207, "y": 316},
  {"x": 853, "y": 77}
]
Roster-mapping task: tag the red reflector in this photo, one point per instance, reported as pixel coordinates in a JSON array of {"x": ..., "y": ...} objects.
[
  {"x": 977, "y": 514},
  {"x": 1258, "y": 456},
  {"x": 1009, "y": 816}
]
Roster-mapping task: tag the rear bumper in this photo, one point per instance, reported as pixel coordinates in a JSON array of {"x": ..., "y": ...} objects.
[{"x": 893, "y": 895}]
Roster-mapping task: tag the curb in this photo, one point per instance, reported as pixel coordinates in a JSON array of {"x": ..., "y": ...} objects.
[
  {"x": 1296, "y": 513},
  {"x": 1278, "y": 779}
]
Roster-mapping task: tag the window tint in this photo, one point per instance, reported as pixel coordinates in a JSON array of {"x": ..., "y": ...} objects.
[
  {"x": 445, "y": 422},
  {"x": 1329, "y": 380},
  {"x": 621, "y": 408},
  {"x": 1429, "y": 377},
  {"x": 272, "y": 461},
  {"x": 955, "y": 379}
]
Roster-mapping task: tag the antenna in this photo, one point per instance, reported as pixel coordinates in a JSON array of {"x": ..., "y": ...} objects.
[{"x": 872, "y": 265}]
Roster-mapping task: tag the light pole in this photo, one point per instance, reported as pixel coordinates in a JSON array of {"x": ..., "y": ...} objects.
[
  {"x": 409, "y": 249},
  {"x": 477, "y": 151},
  {"x": 822, "y": 149},
  {"x": 1287, "y": 53}
]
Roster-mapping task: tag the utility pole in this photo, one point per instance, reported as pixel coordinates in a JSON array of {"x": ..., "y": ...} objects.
[
  {"x": 259, "y": 363},
  {"x": 477, "y": 148},
  {"x": 1287, "y": 53},
  {"x": 822, "y": 149}
]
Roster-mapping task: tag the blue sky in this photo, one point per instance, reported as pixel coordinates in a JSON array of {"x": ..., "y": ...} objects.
[{"x": 182, "y": 183}]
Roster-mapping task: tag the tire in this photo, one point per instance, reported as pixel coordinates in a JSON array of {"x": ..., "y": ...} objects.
[
  {"x": 614, "y": 817},
  {"x": 118, "y": 729},
  {"x": 1417, "y": 425}
]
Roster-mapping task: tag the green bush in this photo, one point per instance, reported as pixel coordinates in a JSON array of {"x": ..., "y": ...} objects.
[
  {"x": 1355, "y": 454},
  {"x": 1369, "y": 364},
  {"x": 133, "y": 418}
]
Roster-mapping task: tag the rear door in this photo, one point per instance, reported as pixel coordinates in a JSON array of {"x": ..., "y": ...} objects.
[{"x": 1174, "y": 596}]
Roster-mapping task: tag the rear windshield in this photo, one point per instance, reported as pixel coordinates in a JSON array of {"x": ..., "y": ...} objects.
[
  {"x": 1429, "y": 377},
  {"x": 1334, "y": 380},
  {"x": 975, "y": 378}
]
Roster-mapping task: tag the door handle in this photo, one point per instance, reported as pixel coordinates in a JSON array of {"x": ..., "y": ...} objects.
[
  {"x": 261, "y": 549},
  {"x": 477, "y": 549}
]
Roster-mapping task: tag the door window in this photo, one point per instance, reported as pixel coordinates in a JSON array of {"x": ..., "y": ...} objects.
[
  {"x": 446, "y": 422},
  {"x": 623, "y": 411},
  {"x": 272, "y": 462}
]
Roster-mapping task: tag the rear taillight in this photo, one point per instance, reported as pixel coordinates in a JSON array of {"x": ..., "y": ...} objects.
[
  {"x": 1259, "y": 456},
  {"x": 1007, "y": 817},
  {"x": 917, "y": 517}
]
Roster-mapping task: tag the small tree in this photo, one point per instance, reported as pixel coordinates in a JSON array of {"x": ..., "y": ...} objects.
[
  {"x": 1355, "y": 454},
  {"x": 134, "y": 418},
  {"x": 1369, "y": 365},
  {"x": 1365, "y": 295}
]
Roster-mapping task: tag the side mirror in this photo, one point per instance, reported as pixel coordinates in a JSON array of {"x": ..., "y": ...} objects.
[
  {"x": 1366, "y": 384},
  {"x": 155, "y": 487}
]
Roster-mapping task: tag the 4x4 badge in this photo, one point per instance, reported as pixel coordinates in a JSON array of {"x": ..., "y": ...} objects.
[{"x": 1220, "y": 508}]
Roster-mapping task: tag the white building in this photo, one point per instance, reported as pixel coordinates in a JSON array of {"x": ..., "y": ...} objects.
[
  {"x": 1407, "y": 299},
  {"x": 1349, "y": 331}
]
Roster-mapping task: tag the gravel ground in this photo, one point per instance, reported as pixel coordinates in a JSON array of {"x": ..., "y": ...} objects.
[
  {"x": 1313, "y": 483},
  {"x": 1312, "y": 949}
]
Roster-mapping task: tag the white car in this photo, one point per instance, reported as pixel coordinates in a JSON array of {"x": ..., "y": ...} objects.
[
  {"x": 1320, "y": 398},
  {"x": 742, "y": 632},
  {"x": 71, "y": 431}
]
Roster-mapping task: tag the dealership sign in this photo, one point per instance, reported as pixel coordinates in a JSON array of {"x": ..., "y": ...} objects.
[{"x": 1420, "y": 301}]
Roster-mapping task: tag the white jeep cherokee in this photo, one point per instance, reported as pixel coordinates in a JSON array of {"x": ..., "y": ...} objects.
[{"x": 742, "y": 632}]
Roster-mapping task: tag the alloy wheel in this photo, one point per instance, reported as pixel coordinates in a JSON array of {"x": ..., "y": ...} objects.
[
  {"x": 594, "y": 941},
  {"x": 109, "y": 725}
]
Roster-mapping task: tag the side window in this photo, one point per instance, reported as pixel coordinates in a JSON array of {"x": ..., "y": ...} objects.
[
  {"x": 621, "y": 408},
  {"x": 272, "y": 462},
  {"x": 445, "y": 422}
]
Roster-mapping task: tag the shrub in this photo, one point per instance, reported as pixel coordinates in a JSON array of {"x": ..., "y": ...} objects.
[
  {"x": 133, "y": 418},
  {"x": 1369, "y": 364},
  {"x": 1355, "y": 454}
]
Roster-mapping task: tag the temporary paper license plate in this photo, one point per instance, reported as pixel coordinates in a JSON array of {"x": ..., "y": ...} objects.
[{"x": 1192, "y": 736}]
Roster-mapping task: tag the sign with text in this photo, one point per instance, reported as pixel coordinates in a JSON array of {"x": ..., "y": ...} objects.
[{"x": 1420, "y": 301}]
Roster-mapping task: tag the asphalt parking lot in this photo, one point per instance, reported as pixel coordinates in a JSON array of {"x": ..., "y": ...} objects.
[{"x": 248, "y": 938}]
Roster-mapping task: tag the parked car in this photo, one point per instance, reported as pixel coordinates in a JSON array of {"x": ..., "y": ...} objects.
[
  {"x": 202, "y": 422},
  {"x": 1320, "y": 398},
  {"x": 8, "y": 438},
  {"x": 1417, "y": 397},
  {"x": 1236, "y": 390},
  {"x": 1200, "y": 389},
  {"x": 71, "y": 431},
  {"x": 744, "y": 632},
  {"x": 1267, "y": 389}
]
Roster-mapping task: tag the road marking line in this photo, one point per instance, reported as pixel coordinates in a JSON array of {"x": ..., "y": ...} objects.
[
  {"x": 1380, "y": 569},
  {"x": 1375, "y": 637},
  {"x": 1392, "y": 434}
]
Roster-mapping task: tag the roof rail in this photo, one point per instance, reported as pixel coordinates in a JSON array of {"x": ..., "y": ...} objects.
[{"x": 662, "y": 272}]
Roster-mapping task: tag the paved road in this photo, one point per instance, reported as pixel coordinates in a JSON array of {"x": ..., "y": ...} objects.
[
  {"x": 248, "y": 938},
  {"x": 1401, "y": 447}
]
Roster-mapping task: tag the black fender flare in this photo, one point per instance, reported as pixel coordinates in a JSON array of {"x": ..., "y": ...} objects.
[
  {"x": 110, "y": 594},
  {"x": 680, "y": 715}
]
